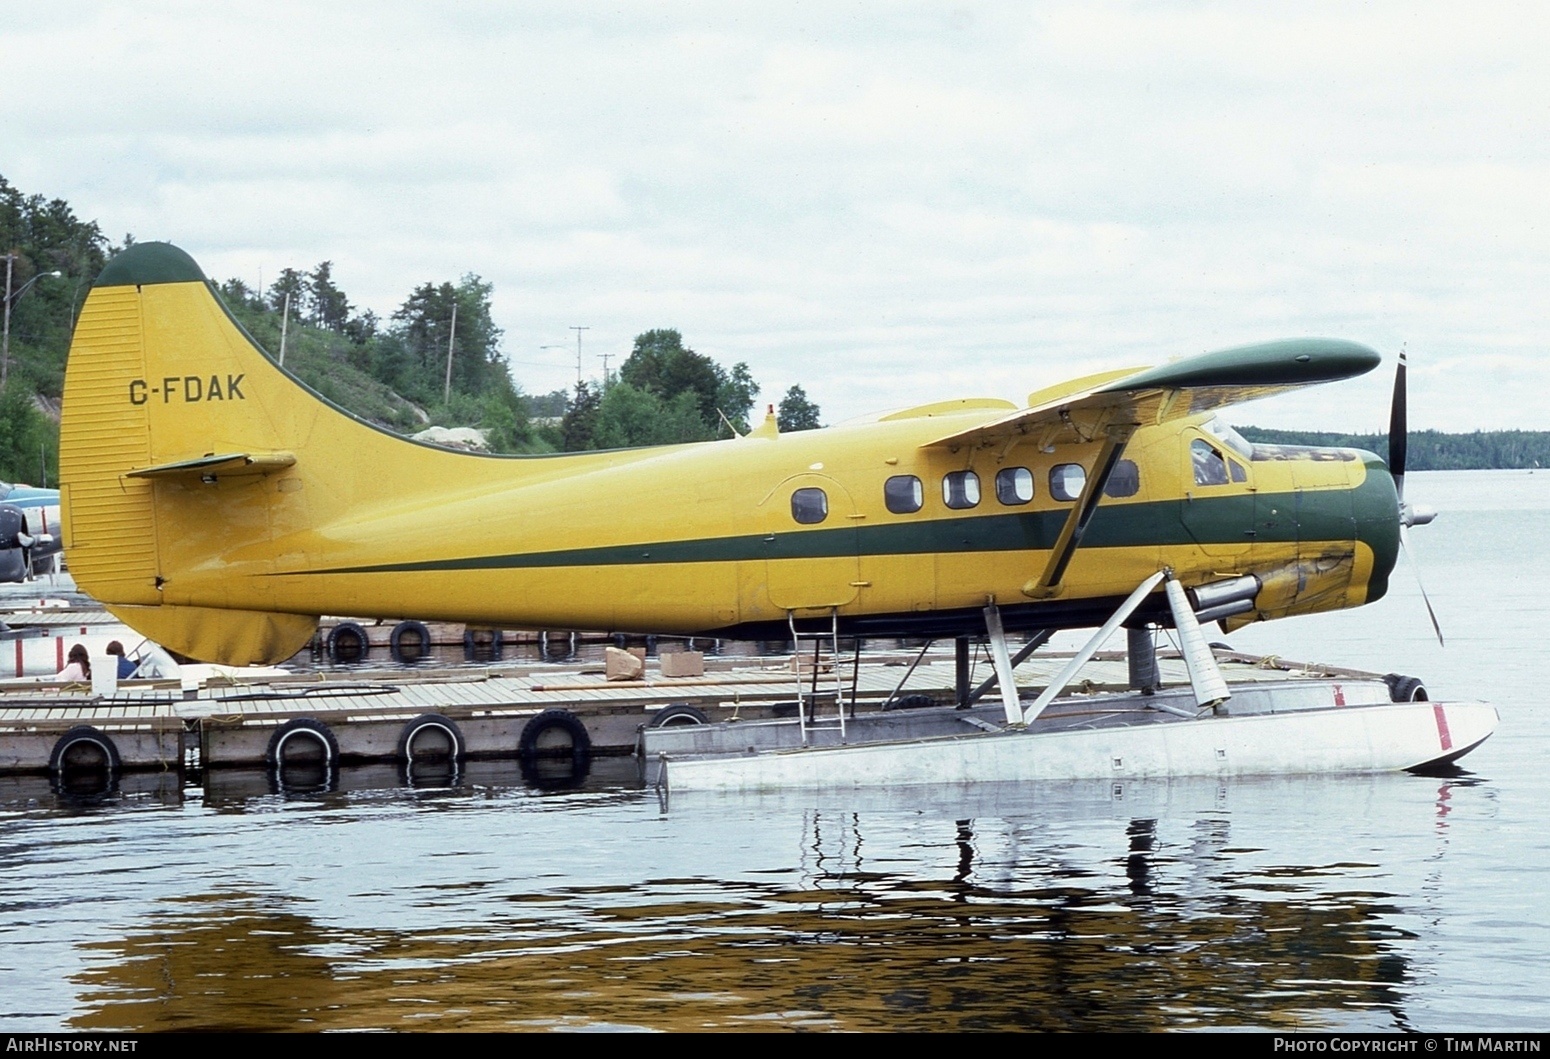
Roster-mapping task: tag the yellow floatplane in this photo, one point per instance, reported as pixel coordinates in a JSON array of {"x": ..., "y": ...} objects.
[{"x": 216, "y": 505}]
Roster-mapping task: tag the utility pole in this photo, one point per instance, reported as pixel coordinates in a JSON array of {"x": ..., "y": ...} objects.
[
  {"x": 578, "y": 331},
  {"x": 5, "y": 355},
  {"x": 285, "y": 319},
  {"x": 605, "y": 357},
  {"x": 446, "y": 393},
  {"x": 5, "y": 343}
]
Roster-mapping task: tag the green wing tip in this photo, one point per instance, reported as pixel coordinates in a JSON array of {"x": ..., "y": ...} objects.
[
  {"x": 150, "y": 263},
  {"x": 1290, "y": 362}
]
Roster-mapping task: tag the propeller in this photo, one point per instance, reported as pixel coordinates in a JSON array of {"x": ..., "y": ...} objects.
[{"x": 1409, "y": 515}]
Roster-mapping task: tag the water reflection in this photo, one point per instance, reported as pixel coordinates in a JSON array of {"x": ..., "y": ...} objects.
[
  {"x": 233, "y": 789},
  {"x": 1090, "y": 907},
  {"x": 90, "y": 790}
]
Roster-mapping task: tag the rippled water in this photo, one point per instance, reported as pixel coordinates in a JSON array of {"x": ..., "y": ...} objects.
[{"x": 1392, "y": 902}]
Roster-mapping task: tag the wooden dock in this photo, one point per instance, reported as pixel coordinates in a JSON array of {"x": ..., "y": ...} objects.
[{"x": 418, "y": 716}]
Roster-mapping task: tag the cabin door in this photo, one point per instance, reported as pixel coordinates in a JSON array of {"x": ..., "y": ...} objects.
[
  {"x": 811, "y": 544},
  {"x": 1219, "y": 508}
]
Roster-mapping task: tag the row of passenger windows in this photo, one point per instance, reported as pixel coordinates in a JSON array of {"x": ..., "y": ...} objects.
[{"x": 904, "y": 494}]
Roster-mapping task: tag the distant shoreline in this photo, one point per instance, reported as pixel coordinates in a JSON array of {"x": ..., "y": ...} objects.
[{"x": 1431, "y": 450}]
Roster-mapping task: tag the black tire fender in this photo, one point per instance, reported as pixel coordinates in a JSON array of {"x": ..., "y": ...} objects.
[
  {"x": 83, "y": 734},
  {"x": 395, "y": 641},
  {"x": 1406, "y": 689},
  {"x": 302, "y": 728},
  {"x": 581, "y": 742},
  {"x": 339, "y": 638},
  {"x": 679, "y": 713},
  {"x": 431, "y": 722}
]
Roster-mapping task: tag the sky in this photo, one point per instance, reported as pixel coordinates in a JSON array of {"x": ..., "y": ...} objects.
[{"x": 886, "y": 203}]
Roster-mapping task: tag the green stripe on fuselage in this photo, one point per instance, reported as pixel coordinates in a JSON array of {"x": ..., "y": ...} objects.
[{"x": 1214, "y": 520}]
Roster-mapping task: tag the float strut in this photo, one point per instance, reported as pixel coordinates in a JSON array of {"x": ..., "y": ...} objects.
[
  {"x": 1126, "y": 609},
  {"x": 1038, "y": 640},
  {"x": 1003, "y": 660},
  {"x": 1204, "y": 677}
]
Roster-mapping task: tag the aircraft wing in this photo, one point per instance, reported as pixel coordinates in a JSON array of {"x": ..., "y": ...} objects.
[{"x": 1082, "y": 410}]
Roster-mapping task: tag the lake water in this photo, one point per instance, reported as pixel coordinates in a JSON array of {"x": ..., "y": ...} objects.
[{"x": 1375, "y": 903}]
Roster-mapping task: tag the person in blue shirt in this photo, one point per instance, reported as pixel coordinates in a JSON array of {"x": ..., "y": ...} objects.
[{"x": 126, "y": 666}]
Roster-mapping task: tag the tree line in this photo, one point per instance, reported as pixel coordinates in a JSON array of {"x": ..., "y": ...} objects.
[{"x": 1430, "y": 450}]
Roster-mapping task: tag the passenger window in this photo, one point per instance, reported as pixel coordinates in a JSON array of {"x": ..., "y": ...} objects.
[
  {"x": 1124, "y": 481},
  {"x": 961, "y": 489},
  {"x": 903, "y": 494},
  {"x": 1210, "y": 468},
  {"x": 1066, "y": 481},
  {"x": 1014, "y": 486},
  {"x": 1238, "y": 473},
  {"x": 809, "y": 506}
]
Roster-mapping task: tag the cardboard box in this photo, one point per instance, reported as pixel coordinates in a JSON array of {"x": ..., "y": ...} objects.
[
  {"x": 684, "y": 664},
  {"x": 624, "y": 665}
]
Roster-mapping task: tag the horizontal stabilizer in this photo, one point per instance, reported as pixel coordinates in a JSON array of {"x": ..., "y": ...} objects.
[
  {"x": 1173, "y": 391},
  {"x": 225, "y": 465}
]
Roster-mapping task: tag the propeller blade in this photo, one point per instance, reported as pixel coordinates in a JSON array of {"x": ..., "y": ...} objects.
[
  {"x": 1416, "y": 567},
  {"x": 1398, "y": 433}
]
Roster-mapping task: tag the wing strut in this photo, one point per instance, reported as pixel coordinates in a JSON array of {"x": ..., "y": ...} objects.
[{"x": 1048, "y": 583}]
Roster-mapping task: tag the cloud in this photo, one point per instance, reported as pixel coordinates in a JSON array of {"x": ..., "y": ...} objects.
[{"x": 884, "y": 204}]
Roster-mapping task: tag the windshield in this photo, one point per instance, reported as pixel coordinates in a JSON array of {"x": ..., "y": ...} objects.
[{"x": 1229, "y": 437}]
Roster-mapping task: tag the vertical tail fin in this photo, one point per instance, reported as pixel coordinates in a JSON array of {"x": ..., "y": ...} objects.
[{"x": 159, "y": 375}]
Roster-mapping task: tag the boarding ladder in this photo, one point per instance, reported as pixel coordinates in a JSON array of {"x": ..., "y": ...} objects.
[{"x": 807, "y": 696}]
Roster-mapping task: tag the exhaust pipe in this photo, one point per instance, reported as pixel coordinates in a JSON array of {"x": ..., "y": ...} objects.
[
  {"x": 1209, "y": 597},
  {"x": 1224, "y": 599}
]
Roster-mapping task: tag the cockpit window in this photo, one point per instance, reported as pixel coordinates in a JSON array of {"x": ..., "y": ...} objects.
[
  {"x": 1218, "y": 428},
  {"x": 1210, "y": 468},
  {"x": 809, "y": 506},
  {"x": 961, "y": 489}
]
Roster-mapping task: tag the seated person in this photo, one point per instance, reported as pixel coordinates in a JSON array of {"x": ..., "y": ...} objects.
[
  {"x": 126, "y": 666},
  {"x": 78, "y": 667}
]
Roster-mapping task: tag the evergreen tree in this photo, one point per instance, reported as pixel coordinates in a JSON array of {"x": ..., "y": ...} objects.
[
  {"x": 29, "y": 442},
  {"x": 580, "y": 422},
  {"x": 796, "y": 412},
  {"x": 45, "y": 236},
  {"x": 425, "y": 324},
  {"x": 290, "y": 283},
  {"x": 328, "y": 307}
]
